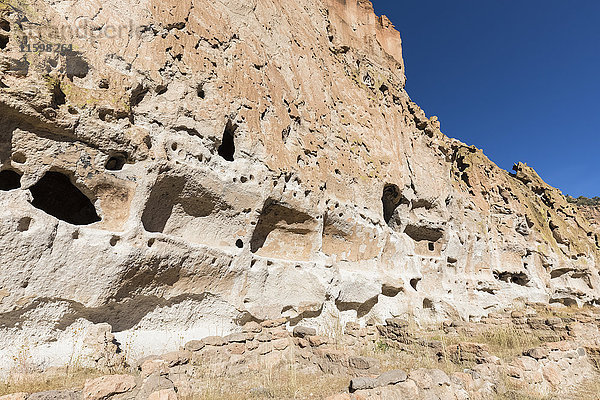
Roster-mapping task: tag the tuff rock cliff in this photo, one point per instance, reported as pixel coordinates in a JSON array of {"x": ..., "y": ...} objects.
[{"x": 189, "y": 166}]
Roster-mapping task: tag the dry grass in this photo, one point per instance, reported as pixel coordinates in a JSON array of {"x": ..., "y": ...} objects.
[
  {"x": 508, "y": 342},
  {"x": 268, "y": 383},
  {"x": 505, "y": 342},
  {"x": 516, "y": 395},
  {"x": 38, "y": 382},
  {"x": 589, "y": 390},
  {"x": 410, "y": 357}
]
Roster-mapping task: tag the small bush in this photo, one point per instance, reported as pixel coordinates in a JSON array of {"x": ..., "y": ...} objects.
[{"x": 584, "y": 201}]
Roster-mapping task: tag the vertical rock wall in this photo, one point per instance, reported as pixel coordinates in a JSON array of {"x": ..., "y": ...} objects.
[{"x": 179, "y": 168}]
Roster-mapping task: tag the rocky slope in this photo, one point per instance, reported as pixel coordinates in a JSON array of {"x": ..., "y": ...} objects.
[{"x": 192, "y": 166}]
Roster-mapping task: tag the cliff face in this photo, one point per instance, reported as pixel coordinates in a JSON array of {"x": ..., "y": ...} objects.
[
  {"x": 592, "y": 214},
  {"x": 189, "y": 166}
]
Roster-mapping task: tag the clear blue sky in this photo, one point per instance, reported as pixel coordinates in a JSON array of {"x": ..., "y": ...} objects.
[{"x": 519, "y": 79}]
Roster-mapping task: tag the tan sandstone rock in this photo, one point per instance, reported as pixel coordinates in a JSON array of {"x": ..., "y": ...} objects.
[
  {"x": 190, "y": 167},
  {"x": 106, "y": 386}
]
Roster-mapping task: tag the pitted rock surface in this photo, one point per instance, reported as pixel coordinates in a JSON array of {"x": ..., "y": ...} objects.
[{"x": 190, "y": 166}]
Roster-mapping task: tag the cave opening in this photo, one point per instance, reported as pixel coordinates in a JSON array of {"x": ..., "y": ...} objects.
[
  {"x": 9, "y": 180},
  {"x": 518, "y": 278},
  {"x": 391, "y": 199},
  {"x": 56, "y": 195},
  {"x": 200, "y": 91},
  {"x": 227, "y": 147},
  {"x": 116, "y": 162},
  {"x": 414, "y": 282}
]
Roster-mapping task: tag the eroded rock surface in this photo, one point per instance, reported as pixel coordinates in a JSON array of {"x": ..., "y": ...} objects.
[{"x": 190, "y": 166}]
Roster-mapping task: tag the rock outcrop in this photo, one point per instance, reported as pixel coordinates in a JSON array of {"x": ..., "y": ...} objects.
[{"x": 178, "y": 169}]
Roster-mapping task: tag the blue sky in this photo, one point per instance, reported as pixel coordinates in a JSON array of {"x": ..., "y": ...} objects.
[{"x": 519, "y": 79}]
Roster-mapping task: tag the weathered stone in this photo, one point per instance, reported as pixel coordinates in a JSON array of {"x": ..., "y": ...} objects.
[
  {"x": 427, "y": 379},
  {"x": 194, "y": 345},
  {"x": 14, "y": 396},
  {"x": 302, "y": 332},
  {"x": 397, "y": 323},
  {"x": 391, "y": 378},
  {"x": 362, "y": 362},
  {"x": 362, "y": 383},
  {"x": 526, "y": 363},
  {"x": 280, "y": 334},
  {"x": 273, "y": 323},
  {"x": 238, "y": 337},
  {"x": 252, "y": 345},
  {"x": 175, "y": 358},
  {"x": 515, "y": 372},
  {"x": 264, "y": 337},
  {"x": 265, "y": 348},
  {"x": 106, "y": 386},
  {"x": 237, "y": 348},
  {"x": 537, "y": 352},
  {"x": 155, "y": 366},
  {"x": 214, "y": 341},
  {"x": 554, "y": 321},
  {"x": 552, "y": 373},
  {"x": 252, "y": 327},
  {"x": 533, "y": 377},
  {"x": 56, "y": 395},
  {"x": 280, "y": 344},
  {"x": 316, "y": 341},
  {"x": 152, "y": 384}
]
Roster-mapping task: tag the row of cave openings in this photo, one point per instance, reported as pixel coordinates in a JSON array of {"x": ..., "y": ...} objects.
[{"x": 56, "y": 195}]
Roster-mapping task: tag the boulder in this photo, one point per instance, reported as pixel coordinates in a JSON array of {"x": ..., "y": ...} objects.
[
  {"x": 214, "y": 341},
  {"x": 391, "y": 378},
  {"x": 194, "y": 345},
  {"x": 362, "y": 383},
  {"x": 303, "y": 332},
  {"x": 106, "y": 386}
]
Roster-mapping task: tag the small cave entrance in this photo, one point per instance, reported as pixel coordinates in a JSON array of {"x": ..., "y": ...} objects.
[
  {"x": 415, "y": 282},
  {"x": 518, "y": 278},
  {"x": 9, "y": 180},
  {"x": 427, "y": 304},
  {"x": 56, "y": 195},
  {"x": 391, "y": 199},
  {"x": 276, "y": 216},
  {"x": 423, "y": 233},
  {"x": 116, "y": 162},
  {"x": 227, "y": 147},
  {"x": 3, "y": 41}
]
